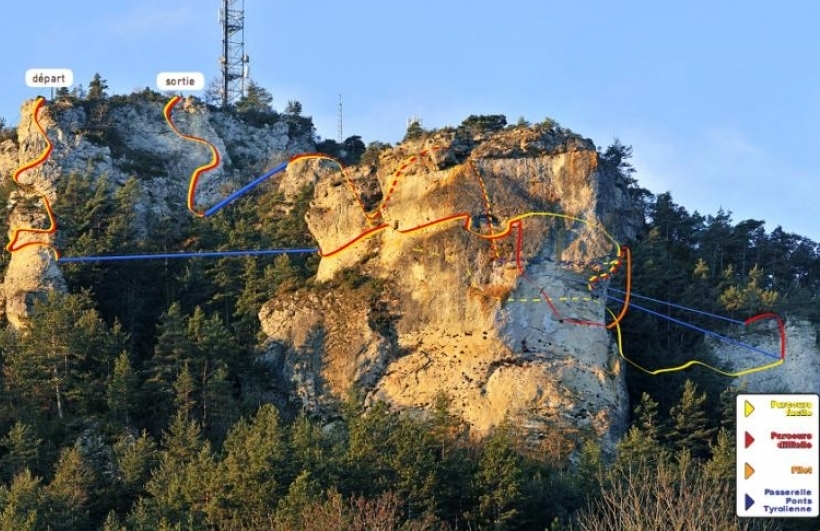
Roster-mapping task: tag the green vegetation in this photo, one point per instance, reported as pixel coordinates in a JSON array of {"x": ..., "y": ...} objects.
[
  {"x": 348, "y": 152},
  {"x": 256, "y": 99},
  {"x": 475, "y": 125},
  {"x": 136, "y": 401},
  {"x": 414, "y": 131},
  {"x": 97, "y": 88},
  {"x": 371, "y": 154},
  {"x": 7, "y": 133},
  {"x": 709, "y": 263}
]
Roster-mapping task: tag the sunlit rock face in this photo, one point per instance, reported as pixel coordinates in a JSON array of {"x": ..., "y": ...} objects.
[{"x": 454, "y": 309}]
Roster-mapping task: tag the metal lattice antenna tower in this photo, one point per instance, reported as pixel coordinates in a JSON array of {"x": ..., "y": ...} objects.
[
  {"x": 340, "y": 118},
  {"x": 234, "y": 62}
]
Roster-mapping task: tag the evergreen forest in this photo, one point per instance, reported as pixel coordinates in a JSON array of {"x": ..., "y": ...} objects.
[{"x": 136, "y": 400}]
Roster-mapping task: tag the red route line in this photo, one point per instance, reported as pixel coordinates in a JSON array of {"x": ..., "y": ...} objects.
[
  {"x": 197, "y": 173},
  {"x": 780, "y": 326},
  {"x": 466, "y": 217},
  {"x": 13, "y": 246},
  {"x": 515, "y": 222},
  {"x": 545, "y": 298}
]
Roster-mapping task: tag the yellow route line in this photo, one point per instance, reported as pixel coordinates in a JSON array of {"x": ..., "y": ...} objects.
[{"x": 689, "y": 363}]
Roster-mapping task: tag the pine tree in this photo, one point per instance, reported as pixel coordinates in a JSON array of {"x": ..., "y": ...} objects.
[
  {"x": 646, "y": 415},
  {"x": 302, "y": 493},
  {"x": 282, "y": 276},
  {"x": 369, "y": 442},
  {"x": 690, "y": 428},
  {"x": 293, "y": 107},
  {"x": 22, "y": 450},
  {"x": 185, "y": 387},
  {"x": 255, "y": 292},
  {"x": 97, "y": 88},
  {"x": 69, "y": 493},
  {"x": 58, "y": 367},
  {"x": 122, "y": 390},
  {"x": 182, "y": 487},
  {"x": 721, "y": 466},
  {"x": 219, "y": 408},
  {"x": 173, "y": 349},
  {"x": 256, "y": 99},
  {"x": 134, "y": 458},
  {"x": 499, "y": 481},
  {"x": 19, "y": 503},
  {"x": 641, "y": 444},
  {"x": 310, "y": 449},
  {"x": 216, "y": 357},
  {"x": 256, "y": 468},
  {"x": 112, "y": 523}
]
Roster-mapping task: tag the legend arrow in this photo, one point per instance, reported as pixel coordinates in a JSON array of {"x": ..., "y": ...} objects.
[{"x": 777, "y": 463}]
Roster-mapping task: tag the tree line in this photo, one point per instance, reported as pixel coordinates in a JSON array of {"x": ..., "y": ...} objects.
[{"x": 137, "y": 399}]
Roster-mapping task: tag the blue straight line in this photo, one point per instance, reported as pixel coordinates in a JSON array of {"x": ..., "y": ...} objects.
[
  {"x": 245, "y": 189},
  {"x": 699, "y": 329},
  {"x": 639, "y": 296},
  {"x": 163, "y": 256}
]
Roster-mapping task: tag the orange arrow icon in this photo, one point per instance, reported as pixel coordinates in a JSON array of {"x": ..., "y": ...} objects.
[{"x": 749, "y": 470}]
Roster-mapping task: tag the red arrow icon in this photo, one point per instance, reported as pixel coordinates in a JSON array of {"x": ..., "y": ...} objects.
[{"x": 749, "y": 439}]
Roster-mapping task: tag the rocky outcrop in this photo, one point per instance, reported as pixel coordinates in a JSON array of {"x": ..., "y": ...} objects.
[
  {"x": 800, "y": 371},
  {"x": 120, "y": 138},
  {"x": 449, "y": 307},
  {"x": 32, "y": 269}
]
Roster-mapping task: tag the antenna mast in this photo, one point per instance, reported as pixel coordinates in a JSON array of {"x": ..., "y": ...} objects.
[
  {"x": 340, "y": 118},
  {"x": 234, "y": 61}
]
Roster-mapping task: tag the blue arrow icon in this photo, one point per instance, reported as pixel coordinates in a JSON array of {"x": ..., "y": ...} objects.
[{"x": 749, "y": 502}]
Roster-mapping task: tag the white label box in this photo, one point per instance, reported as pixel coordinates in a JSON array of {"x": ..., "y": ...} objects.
[
  {"x": 49, "y": 77},
  {"x": 180, "y": 81},
  {"x": 778, "y": 455}
]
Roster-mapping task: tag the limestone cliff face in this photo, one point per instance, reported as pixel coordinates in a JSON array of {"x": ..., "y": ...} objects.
[
  {"x": 463, "y": 311},
  {"x": 122, "y": 138},
  {"x": 800, "y": 373},
  {"x": 32, "y": 269}
]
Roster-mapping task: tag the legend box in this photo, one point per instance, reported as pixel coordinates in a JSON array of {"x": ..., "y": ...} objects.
[{"x": 778, "y": 455}]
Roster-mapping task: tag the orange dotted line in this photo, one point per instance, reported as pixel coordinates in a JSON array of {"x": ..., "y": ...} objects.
[
  {"x": 614, "y": 265},
  {"x": 488, "y": 209},
  {"x": 399, "y": 172}
]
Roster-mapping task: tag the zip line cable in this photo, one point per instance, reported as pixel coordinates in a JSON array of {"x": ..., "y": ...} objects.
[
  {"x": 680, "y": 307},
  {"x": 699, "y": 329},
  {"x": 207, "y": 254}
]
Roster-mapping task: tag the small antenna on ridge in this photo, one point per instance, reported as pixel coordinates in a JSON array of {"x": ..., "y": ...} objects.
[{"x": 340, "y": 119}]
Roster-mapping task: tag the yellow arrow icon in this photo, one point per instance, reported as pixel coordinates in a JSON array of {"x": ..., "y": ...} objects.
[
  {"x": 749, "y": 470},
  {"x": 748, "y": 408}
]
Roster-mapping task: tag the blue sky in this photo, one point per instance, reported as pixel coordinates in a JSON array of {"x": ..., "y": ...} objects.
[{"x": 721, "y": 103}]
